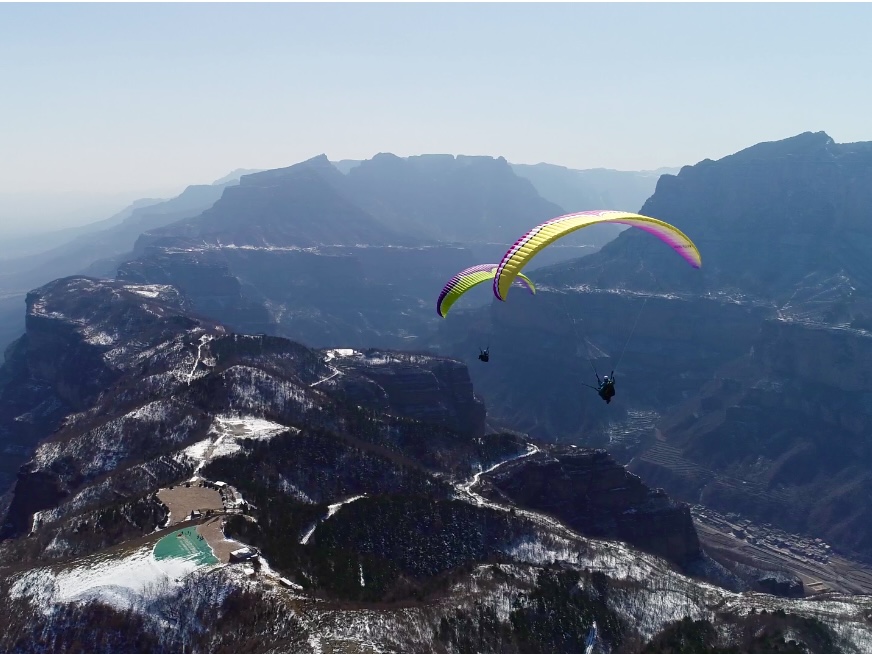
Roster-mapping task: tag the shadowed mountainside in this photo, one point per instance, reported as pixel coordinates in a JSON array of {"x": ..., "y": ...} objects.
[{"x": 746, "y": 383}]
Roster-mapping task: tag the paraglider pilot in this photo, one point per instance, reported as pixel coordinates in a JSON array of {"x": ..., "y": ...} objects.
[
  {"x": 484, "y": 354},
  {"x": 606, "y": 387}
]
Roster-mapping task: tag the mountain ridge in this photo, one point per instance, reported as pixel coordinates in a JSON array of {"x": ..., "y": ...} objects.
[{"x": 356, "y": 514}]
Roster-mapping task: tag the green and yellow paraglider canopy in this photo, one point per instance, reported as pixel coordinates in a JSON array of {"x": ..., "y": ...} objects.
[{"x": 469, "y": 278}]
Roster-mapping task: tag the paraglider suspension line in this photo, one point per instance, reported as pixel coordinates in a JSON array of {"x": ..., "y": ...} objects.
[
  {"x": 632, "y": 331},
  {"x": 575, "y": 331},
  {"x": 592, "y": 366}
]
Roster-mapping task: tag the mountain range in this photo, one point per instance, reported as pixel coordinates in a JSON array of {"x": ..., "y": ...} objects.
[
  {"x": 384, "y": 514},
  {"x": 392, "y": 201},
  {"x": 264, "y": 369}
]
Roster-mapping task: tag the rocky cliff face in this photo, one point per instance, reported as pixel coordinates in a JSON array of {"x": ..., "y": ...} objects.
[
  {"x": 588, "y": 491},
  {"x": 83, "y": 336},
  {"x": 426, "y": 388},
  {"x": 780, "y": 435},
  {"x": 205, "y": 281},
  {"x": 331, "y": 296}
]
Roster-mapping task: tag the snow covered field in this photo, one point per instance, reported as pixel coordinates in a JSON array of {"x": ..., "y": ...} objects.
[
  {"x": 151, "y": 291},
  {"x": 332, "y": 354},
  {"x": 120, "y": 582},
  {"x": 225, "y": 434}
]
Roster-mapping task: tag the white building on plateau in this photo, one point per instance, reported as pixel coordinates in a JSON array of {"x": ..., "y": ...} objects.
[{"x": 243, "y": 554}]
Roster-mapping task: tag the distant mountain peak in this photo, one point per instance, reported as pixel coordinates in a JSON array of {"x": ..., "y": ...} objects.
[
  {"x": 805, "y": 143},
  {"x": 320, "y": 164},
  {"x": 303, "y": 205},
  {"x": 235, "y": 176}
]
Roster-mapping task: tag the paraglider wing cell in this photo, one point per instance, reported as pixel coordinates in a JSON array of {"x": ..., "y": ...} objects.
[
  {"x": 541, "y": 236},
  {"x": 469, "y": 278}
]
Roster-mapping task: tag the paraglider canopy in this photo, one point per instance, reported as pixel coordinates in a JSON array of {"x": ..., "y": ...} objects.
[
  {"x": 541, "y": 236},
  {"x": 468, "y": 279}
]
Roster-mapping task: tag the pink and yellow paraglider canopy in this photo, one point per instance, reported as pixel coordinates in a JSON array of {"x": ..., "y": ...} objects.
[{"x": 541, "y": 236}]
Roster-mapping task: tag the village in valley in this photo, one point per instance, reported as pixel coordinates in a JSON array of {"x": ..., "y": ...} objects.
[{"x": 762, "y": 545}]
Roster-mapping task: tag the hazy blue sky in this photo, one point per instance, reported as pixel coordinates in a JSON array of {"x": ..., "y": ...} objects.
[{"x": 146, "y": 98}]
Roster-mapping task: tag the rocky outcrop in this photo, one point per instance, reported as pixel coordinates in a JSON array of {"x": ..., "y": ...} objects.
[
  {"x": 426, "y": 388},
  {"x": 588, "y": 491},
  {"x": 95, "y": 252},
  {"x": 29, "y": 410},
  {"x": 205, "y": 282},
  {"x": 58, "y": 356},
  {"x": 82, "y": 336}
]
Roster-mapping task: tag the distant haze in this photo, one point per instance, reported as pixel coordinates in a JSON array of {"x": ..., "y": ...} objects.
[
  {"x": 113, "y": 99},
  {"x": 35, "y": 212}
]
